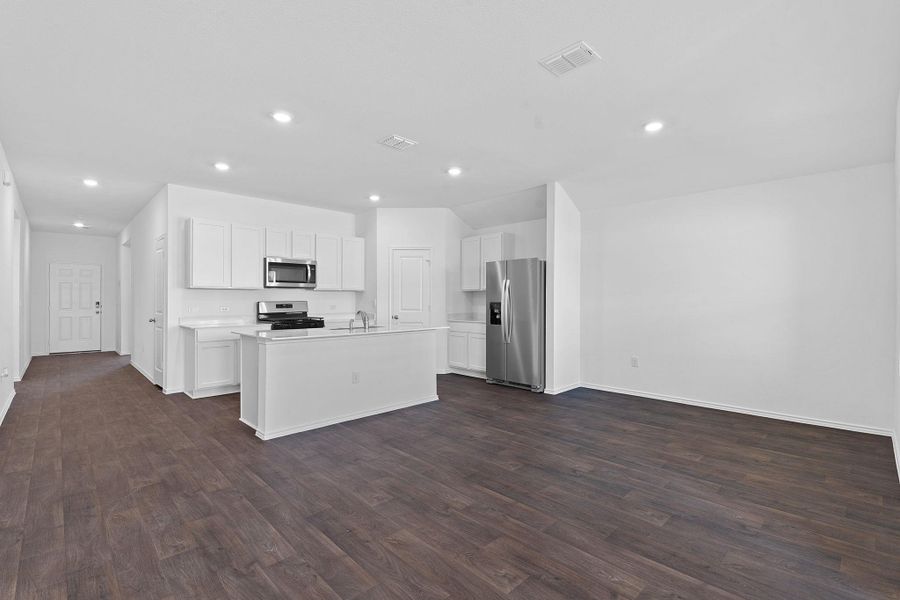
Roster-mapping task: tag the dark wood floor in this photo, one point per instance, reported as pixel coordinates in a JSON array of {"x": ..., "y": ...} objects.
[{"x": 111, "y": 489}]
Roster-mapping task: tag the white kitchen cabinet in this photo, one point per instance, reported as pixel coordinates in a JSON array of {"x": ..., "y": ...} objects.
[
  {"x": 457, "y": 349},
  {"x": 212, "y": 362},
  {"x": 209, "y": 254},
  {"x": 278, "y": 242},
  {"x": 467, "y": 348},
  {"x": 303, "y": 245},
  {"x": 353, "y": 264},
  {"x": 477, "y": 250},
  {"x": 328, "y": 262},
  {"x": 247, "y": 245}
]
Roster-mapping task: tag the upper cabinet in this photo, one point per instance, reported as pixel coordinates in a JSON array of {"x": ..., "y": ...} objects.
[
  {"x": 353, "y": 263},
  {"x": 328, "y": 262},
  {"x": 247, "y": 245},
  {"x": 478, "y": 250},
  {"x": 230, "y": 255},
  {"x": 303, "y": 245},
  {"x": 209, "y": 254},
  {"x": 278, "y": 242}
]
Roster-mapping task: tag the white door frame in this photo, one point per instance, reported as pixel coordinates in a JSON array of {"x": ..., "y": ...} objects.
[
  {"x": 159, "y": 374},
  {"x": 391, "y": 251},
  {"x": 49, "y": 305}
]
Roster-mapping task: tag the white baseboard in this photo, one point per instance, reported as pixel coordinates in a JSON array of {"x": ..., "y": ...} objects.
[
  {"x": 216, "y": 391},
  {"x": 168, "y": 391},
  {"x": 895, "y": 438},
  {"x": 468, "y": 373},
  {"x": 19, "y": 377},
  {"x": 341, "y": 419},
  {"x": 562, "y": 389},
  {"x": 7, "y": 404},
  {"x": 141, "y": 371},
  {"x": 742, "y": 410}
]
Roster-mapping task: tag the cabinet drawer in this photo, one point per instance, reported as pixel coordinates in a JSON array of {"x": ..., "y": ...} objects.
[
  {"x": 467, "y": 327},
  {"x": 217, "y": 334}
]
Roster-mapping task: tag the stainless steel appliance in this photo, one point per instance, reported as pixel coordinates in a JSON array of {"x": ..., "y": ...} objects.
[
  {"x": 516, "y": 322},
  {"x": 287, "y": 315},
  {"x": 290, "y": 272}
]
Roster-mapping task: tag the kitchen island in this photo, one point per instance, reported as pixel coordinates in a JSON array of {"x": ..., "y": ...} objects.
[{"x": 300, "y": 379}]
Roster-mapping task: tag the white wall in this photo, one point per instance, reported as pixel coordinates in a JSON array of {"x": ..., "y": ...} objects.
[
  {"x": 78, "y": 248},
  {"x": 184, "y": 203},
  {"x": 141, "y": 234},
  {"x": 896, "y": 365},
  {"x": 564, "y": 256},
  {"x": 773, "y": 298},
  {"x": 12, "y": 345}
]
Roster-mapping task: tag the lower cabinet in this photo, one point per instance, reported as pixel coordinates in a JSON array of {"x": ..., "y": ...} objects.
[
  {"x": 213, "y": 358},
  {"x": 466, "y": 348}
]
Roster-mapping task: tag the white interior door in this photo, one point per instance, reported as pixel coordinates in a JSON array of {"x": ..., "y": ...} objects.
[
  {"x": 74, "y": 307},
  {"x": 159, "y": 311},
  {"x": 410, "y": 288}
]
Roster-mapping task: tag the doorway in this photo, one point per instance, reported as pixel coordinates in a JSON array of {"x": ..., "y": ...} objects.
[
  {"x": 75, "y": 307},
  {"x": 410, "y": 300}
]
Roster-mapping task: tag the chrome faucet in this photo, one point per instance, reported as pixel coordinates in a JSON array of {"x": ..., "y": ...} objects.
[{"x": 365, "y": 319}]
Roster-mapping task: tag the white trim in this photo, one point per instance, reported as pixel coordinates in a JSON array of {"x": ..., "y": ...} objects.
[
  {"x": 563, "y": 389},
  {"x": 22, "y": 374},
  {"x": 7, "y": 404},
  {"x": 341, "y": 419},
  {"x": 742, "y": 410},
  {"x": 140, "y": 370},
  {"x": 222, "y": 390},
  {"x": 467, "y": 373},
  {"x": 895, "y": 437}
]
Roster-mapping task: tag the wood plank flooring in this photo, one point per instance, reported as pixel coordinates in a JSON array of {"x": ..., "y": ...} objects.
[{"x": 110, "y": 489}]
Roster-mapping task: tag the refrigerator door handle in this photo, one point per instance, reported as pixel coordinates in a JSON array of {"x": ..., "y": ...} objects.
[{"x": 505, "y": 316}]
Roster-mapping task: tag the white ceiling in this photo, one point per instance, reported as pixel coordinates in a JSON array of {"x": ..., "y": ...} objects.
[{"x": 137, "y": 94}]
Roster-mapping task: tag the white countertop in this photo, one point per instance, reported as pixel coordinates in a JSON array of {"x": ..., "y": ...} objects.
[
  {"x": 206, "y": 323},
  {"x": 285, "y": 335},
  {"x": 466, "y": 318}
]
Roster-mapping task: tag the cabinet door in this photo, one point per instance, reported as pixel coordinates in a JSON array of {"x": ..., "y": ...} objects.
[
  {"x": 353, "y": 263},
  {"x": 477, "y": 348},
  {"x": 217, "y": 364},
  {"x": 303, "y": 245},
  {"x": 247, "y": 257},
  {"x": 328, "y": 262},
  {"x": 278, "y": 242},
  {"x": 209, "y": 263},
  {"x": 457, "y": 350},
  {"x": 491, "y": 250},
  {"x": 470, "y": 266}
]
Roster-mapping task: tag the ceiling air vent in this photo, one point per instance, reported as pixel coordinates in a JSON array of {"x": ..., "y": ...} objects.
[
  {"x": 397, "y": 142},
  {"x": 568, "y": 59}
]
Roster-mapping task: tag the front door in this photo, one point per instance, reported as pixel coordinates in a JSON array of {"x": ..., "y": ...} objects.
[
  {"x": 74, "y": 307},
  {"x": 410, "y": 288}
]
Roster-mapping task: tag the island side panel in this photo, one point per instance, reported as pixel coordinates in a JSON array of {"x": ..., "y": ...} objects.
[
  {"x": 310, "y": 383},
  {"x": 250, "y": 374}
]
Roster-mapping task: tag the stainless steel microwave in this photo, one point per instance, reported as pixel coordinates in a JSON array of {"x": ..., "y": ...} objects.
[{"x": 290, "y": 272}]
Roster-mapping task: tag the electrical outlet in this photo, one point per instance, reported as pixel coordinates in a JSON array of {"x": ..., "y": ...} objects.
[
  {"x": 224, "y": 308},
  {"x": 193, "y": 309},
  {"x": 635, "y": 363},
  {"x": 354, "y": 377},
  {"x": 5, "y": 372}
]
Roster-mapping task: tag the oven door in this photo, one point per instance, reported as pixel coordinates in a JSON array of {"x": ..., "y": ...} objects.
[{"x": 290, "y": 273}]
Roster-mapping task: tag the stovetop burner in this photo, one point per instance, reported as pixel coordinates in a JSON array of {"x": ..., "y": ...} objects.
[{"x": 287, "y": 315}]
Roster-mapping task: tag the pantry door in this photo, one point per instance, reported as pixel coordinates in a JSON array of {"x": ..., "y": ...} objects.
[
  {"x": 75, "y": 309},
  {"x": 410, "y": 300}
]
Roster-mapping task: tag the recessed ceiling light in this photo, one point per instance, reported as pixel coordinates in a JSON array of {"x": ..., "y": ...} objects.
[
  {"x": 91, "y": 182},
  {"x": 654, "y": 126},
  {"x": 79, "y": 225},
  {"x": 454, "y": 171},
  {"x": 374, "y": 197},
  {"x": 221, "y": 166},
  {"x": 282, "y": 116}
]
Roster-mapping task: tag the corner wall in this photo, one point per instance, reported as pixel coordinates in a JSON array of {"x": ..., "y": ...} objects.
[
  {"x": 564, "y": 302},
  {"x": 12, "y": 333},
  {"x": 896, "y": 365},
  {"x": 775, "y": 299}
]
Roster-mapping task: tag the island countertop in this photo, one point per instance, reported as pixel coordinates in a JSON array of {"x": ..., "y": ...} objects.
[{"x": 288, "y": 335}]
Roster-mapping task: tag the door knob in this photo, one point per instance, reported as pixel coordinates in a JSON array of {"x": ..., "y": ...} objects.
[
  {"x": 395, "y": 317},
  {"x": 152, "y": 320}
]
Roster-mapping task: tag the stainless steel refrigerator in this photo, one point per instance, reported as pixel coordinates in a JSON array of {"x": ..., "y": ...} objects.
[{"x": 516, "y": 322}]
